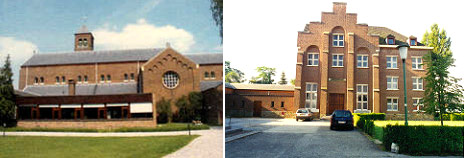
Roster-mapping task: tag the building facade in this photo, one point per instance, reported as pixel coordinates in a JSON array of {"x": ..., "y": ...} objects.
[
  {"x": 77, "y": 85},
  {"x": 342, "y": 64}
]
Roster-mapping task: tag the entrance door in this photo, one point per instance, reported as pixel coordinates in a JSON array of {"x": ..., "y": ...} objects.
[
  {"x": 257, "y": 108},
  {"x": 336, "y": 102}
]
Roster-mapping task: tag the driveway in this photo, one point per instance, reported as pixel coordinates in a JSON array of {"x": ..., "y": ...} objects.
[{"x": 288, "y": 138}]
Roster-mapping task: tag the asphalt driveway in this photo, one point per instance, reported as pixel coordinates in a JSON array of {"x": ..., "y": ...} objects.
[{"x": 288, "y": 138}]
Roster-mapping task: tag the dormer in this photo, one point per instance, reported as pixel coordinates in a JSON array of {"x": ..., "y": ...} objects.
[
  {"x": 83, "y": 40},
  {"x": 390, "y": 39},
  {"x": 412, "y": 41}
]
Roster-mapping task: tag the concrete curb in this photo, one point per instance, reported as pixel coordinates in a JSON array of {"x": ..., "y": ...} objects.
[{"x": 229, "y": 139}]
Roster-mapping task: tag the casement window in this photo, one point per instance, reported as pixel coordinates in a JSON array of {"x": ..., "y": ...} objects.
[
  {"x": 362, "y": 96},
  {"x": 86, "y": 79},
  {"x": 79, "y": 79},
  {"x": 391, "y": 41},
  {"x": 391, "y": 62},
  {"x": 311, "y": 95},
  {"x": 313, "y": 59},
  {"x": 63, "y": 80},
  {"x": 102, "y": 78},
  {"x": 212, "y": 75},
  {"x": 392, "y": 82},
  {"x": 413, "y": 42},
  {"x": 338, "y": 60},
  {"x": 392, "y": 104},
  {"x": 126, "y": 77},
  {"x": 418, "y": 104},
  {"x": 272, "y": 103},
  {"x": 206, "y": 75},
  {"x": 417, "y": 63},
  {"x": 362, "y": 61},
  {"x": 417, "y": 83},
  {"x": 57, "y": 80},
  {"x": 132, "y": 77},
  {"x": 338, "y": 40},
  {"x": 282, "y": 104}
]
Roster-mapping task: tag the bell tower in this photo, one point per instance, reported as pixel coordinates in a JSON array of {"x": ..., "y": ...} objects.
[{"x": 83, "y": 40}]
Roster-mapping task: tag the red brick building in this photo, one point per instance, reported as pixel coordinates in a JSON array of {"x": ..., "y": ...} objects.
[
  {"x": 114, "y": 88},
  {"x": 342, "y": 64}
]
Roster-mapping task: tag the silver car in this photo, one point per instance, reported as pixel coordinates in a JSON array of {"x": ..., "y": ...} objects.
[{"x": 303, "y": 114}]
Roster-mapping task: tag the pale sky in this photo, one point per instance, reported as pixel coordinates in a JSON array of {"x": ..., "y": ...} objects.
[{"x": 264, "y": 33}]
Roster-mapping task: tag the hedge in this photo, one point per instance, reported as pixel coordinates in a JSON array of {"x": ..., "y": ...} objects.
[
  {"x": 425, "y": 140},
  {"x": 360, "y": 118},
  {"x": 451, "y": 117}
]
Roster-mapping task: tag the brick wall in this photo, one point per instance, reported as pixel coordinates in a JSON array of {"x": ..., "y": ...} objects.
[{"x": 91, "y": 124}]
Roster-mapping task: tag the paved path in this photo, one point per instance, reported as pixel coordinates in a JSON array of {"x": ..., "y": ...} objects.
[
  {"x": 210, "y": 145},
  {"x": 288, "y": 138}
]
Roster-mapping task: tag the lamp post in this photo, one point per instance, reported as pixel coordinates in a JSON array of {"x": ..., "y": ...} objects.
[{"x": 403, "y": 50}]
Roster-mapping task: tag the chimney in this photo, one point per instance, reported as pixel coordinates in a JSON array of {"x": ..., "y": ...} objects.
[
  {"x": 339, "y": 7},
  {"x": 71, "y": 87}
]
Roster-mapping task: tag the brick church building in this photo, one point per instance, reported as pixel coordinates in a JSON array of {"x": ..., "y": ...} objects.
[
  {"x": 112, "y": 88},
  {"x": 342, "y": 64}
]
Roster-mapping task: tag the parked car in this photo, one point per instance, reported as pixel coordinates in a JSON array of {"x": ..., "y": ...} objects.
[
  {"x": 303, "y": 114},
  {"x": 342, "y": 118}
]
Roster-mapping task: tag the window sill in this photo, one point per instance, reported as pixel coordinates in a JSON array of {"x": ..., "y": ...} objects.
[
  {"x": 312, "y": 65},
  {"x": 392, "y": 89},
  {"x": 418, "y": 69},
  {"x": 362, "y": 67},
  {"x": 393, "y": 110},
  {"x": 419, "y": 90},
  {"x": 337, "y": 66},
  {"x": 392, "y": 68},
  {"x": 338, "y": 46}
]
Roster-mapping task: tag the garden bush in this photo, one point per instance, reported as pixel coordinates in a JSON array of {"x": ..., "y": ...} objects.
[
  {"x": 450, "y": 117},
  {"x": 360, "y": 119},
  {"x": 425, "y": 140}
]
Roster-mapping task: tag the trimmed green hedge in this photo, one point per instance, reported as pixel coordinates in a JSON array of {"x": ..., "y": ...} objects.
[
  {"x": 450, "y": 117},
  {"x": 360, "y": 118},
  {"x": 160, "y": 128},
  {"x": 425, "y": 140}
]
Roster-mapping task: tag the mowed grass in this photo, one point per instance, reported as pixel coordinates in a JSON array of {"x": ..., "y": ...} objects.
[
  {"x": 81, "y": 147},
  {"x": 379, "y": 125},
  {"x": 159, "y": 128}
]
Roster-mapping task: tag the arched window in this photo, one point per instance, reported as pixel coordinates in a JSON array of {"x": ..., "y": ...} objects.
[
  {"x": 79, "y": 79},
  {"x": 80, "y": 43},
  {"x": 108, "y": 78},
  {"x": 102, "y": 78},
  {"x": 85, "y": 43},
  {"x": 132, "y": 77},
  {"x": 57, "y": 80},
  {"x": 206, "y": 75},
  {"x": 36, "y": 80},
  {"x": 170, "y": 79},
  {"x": 42, "y": 80},
  {"x": 126, "y": 77},
  {"x": 85, "y": 79},
  {"x": 212, "y": 75},
  {"x": 63, "y": 79}
]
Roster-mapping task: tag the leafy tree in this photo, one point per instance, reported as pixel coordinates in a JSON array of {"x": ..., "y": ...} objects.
[
  {"x": 217, "y": 13},
  {"x": 164, "y": 111},
  {"x": 442, "y": 93},
  {"x": 7, "y": 96},
  {"x": 265, "y": 75},
  {"x": 183, "y": 105},
  {"x": 283, "y": 79},
  {"x": 293, "y": 81},
  {"x": 195, "y": 101},
  {"x": 233, "y": 75}
]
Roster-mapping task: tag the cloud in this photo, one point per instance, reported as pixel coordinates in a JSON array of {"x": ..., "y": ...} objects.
[
  {"x": 143, "y": 35},
  {"x": 19, "y": 51}
]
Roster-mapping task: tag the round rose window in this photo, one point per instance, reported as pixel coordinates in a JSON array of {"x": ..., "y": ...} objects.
[{"x": 170, "y": 79}]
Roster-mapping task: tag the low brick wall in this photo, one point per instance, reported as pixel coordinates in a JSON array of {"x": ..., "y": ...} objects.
[
  {"x": 239, "y": 113},
  {"x": 92, "y": 124},
  {"x": 278, "y": 114},
  {"x": 414, "y": 116}
]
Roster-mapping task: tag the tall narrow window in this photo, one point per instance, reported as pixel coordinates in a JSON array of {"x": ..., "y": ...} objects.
[
  {"x": 108, "y": 78},
  {"x": 311, "y": 95},
  {"x": 80, "y": 43},
  {"x": 102, "y": 78},
  {"x": 57, "y": 80},
  {"x": 63, "y": 80},
  {"x": 392, "y": 82},
  {"x": 417, "y": 63},
  {"x": 362, "y": 96},
  {"x": 391, "y": 62},
  {"x": 41, "y": 80},
  {"x": 212, "y": 75},
  {"x": 313, "y": 59},
  {"x": 417, "y": 83},
  {"x": 338, "y": 60},
  {"x": 36, "y": 80},
  {"x": 282, "y": 104},
  {"x": 338, "y": 40},
  {"x": 126, "y": 77},
  {"x": 206, "y": 75},
  {"x": 362, "y": 61},
  {"x": 392, "y": 104},
  {"x": 243, "y": 103},
  {"x": 84, "y": 43},
  {"x": 79, "y": 79},
  {"x": 418, "y": 104},
  {"x": 272, "y": 103},
  {"x": 86, "y": 79},
  {"x": 132, "y": 77}
]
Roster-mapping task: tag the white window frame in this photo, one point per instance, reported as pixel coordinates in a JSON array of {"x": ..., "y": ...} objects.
[
  {"x": 337, "y": 40},
  {"x": 392, "y": 83},
  {"x": 391, "y": 62},
  {"x": 313, "y": 92},
  {"x": 362, "y": 93},
  {"x": 418, "y": 65},
  {"x": 415, "y": 82},
  {"x": 392, "y": 104},
  {"x": 337, "y": 60},
  {"x": 361, "y": 61},
  {"x": 312, "y": 61},
  {"x": 417, "y": 105}
]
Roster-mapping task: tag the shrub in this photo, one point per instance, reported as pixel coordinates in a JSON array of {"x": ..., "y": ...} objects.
[
  {"x": 451, "y": 117},
  {"x": 359, "y": 119},
  {"x": 425, "y": 140}
]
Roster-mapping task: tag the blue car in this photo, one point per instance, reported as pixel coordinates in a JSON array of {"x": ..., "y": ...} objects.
[{"x": 342, "y": 119}]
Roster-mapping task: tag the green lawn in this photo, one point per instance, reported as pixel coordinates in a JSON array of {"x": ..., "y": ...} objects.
[
  {"x": 379, "y": 125},
  {"x": 159, "y": 128},
  {"x": 32, "y": 146}
]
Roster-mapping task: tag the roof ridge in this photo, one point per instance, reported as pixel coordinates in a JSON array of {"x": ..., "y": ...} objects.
[{"x": 96, "y": 51}]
